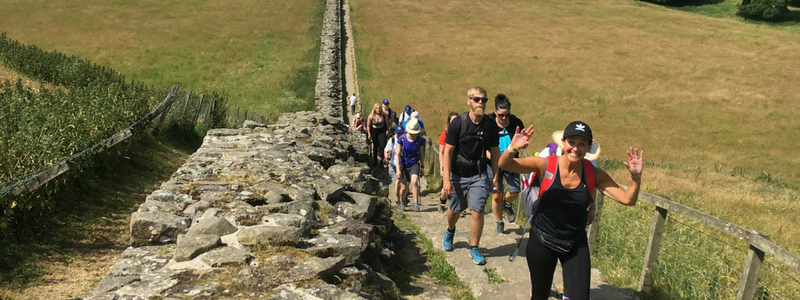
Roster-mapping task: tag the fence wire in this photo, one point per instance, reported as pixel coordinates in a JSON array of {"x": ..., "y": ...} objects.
[
  {"x": 694, "y": 262},
  {"x": 776, "y": 281},
  {"x": 621, "y": 241}
]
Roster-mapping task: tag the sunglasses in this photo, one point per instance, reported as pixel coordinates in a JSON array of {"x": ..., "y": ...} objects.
[
  {"x": 502, "y": 115},
  {"x": 479, "y": 99}
]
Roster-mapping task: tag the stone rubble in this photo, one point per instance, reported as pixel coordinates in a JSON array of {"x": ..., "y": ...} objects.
[{"x": 281, "y": 211}]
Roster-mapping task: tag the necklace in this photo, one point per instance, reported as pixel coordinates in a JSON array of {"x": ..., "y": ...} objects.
[{"x": 569, "y": 176}]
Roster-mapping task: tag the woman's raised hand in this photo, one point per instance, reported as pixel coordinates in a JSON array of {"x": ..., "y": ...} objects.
[
  {"x": 521, "y": 137},
  {"x": 634, "y": 162}
]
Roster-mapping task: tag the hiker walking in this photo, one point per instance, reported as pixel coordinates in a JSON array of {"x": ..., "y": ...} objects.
[
  {"x": 377, "y": 129},
  {"x": 353, "y": 99},
  {"x": 391, "y": 154},
  {"x": 470, "y": 135},
  {"x": 389, "y": 113},
  {"x": 415, "y": 115},
  {"x": 506, "y": 125},
  {"x": 566, "y": 206},
  {"x": 405, "y": 115},
  {"x": 410, "y": 151},
  {"x": 442, "y": 195}
]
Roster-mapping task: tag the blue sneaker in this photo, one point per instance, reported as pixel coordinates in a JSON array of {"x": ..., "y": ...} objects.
[
  {"x": 447, "y": 241},
  {"x": 477, "y": 257}
]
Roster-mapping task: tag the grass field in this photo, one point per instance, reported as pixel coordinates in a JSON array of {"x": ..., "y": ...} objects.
[
  {"x": 695, "y": 92},
  {"x": 262, "y": 55},
  {"x": 65, "y": 251}
]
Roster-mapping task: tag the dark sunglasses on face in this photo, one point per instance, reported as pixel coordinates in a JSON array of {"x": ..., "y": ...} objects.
[
  {"x": 502, "y": 115},
  {"x": 479, "y": 99}
]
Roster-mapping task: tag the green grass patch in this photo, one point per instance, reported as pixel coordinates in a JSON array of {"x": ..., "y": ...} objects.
[
  {"x": 262, "y": 55},
  {"x": 439, "y": 268},
  {"x": 84, "y": 232}
]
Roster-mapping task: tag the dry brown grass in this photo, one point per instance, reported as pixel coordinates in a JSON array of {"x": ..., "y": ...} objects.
[
  {"x": 247, "y": 50},
  {"x": 11, "y": 76},
  {"x": 754, "y": 204},
  {"x": 686, "y": 88},
  {"x": 681, "y": 86}
]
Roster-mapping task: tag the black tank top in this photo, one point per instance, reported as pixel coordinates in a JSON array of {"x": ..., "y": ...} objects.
[{"x": 563, "y": 212}]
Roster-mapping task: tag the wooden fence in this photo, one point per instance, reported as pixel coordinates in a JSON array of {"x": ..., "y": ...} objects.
[
  {"x": 759, "y": 244},
  {"x": 191, "y": 114}
]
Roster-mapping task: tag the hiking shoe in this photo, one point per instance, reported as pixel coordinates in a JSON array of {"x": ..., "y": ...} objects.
[
  {"x": 500, "y": 228},
  {"x": 510, "y": 216},
  {"x": 416, "y": 206},
  {"x": 477, "y": 257},
  {"x": 447, "y": 241}
]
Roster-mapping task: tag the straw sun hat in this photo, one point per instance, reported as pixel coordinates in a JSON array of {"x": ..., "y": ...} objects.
[{"x": 594, "y": 151}]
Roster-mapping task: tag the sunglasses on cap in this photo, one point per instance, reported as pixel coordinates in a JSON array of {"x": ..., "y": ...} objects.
[{"x": 479, "y": 99}]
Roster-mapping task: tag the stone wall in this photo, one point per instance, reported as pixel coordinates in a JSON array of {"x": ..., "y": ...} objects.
[{"x": 284, "y": 211}]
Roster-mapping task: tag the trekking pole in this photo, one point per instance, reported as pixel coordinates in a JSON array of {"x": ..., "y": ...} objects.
[{"x": 513, "y": 255}]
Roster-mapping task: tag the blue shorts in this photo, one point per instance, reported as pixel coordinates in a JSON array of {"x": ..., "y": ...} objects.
[
  {"x": 511, "y": 179},
  {"x": 476, "y": 188}
]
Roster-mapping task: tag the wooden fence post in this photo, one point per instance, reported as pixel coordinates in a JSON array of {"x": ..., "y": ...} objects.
[
  {"x": 227, "y": 115},
  {"x": 162, "y": 117},
  {"x": 236, "y": 120},
  {"x": 209, "y": 111},
  {"x": 595, "y": 227},
  {"x": 751, "y": 269},
  {"x": 197, "y": 112},
  {"x": 653, "y": 246},
  {"x": 183, "y": 108}
]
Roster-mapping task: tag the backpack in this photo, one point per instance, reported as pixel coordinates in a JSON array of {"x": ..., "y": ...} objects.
[
  {"x": 532, "y": 192},
  {"x": 402, "y": 140},
  {"x": 505, "y": 140},
  {"x": 462, "y": 132}
]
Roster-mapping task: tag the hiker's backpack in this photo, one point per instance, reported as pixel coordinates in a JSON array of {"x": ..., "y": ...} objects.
[
  {"x": 462, "y": 132},
  {"x": 533, "y": 190},
  {"x": 402, "y": 140}
]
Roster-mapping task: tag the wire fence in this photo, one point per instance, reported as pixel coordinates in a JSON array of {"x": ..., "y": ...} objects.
[
  {"x": 190, "y": 111},
  {"x": 695, "y": 261}
]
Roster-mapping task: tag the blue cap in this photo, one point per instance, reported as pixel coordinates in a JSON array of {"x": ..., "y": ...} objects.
[
  {"x": 394, "y": 114},
  {"x": 386, "y": 101},
  {"x": 398, "y": 129},
  {"x": 408, "y": 108}
]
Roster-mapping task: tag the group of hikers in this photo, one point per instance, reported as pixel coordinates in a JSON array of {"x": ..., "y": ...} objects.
[{"x": 479, "y": 156}]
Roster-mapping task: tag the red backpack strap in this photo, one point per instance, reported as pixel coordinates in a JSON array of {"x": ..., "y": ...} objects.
[
  {"x": 588, "y": 170},
  {"x": 549, "y": 174}
]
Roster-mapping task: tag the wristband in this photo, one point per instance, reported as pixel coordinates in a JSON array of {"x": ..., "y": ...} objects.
[
  {"x": 636, "y": 178},
  {"x": 512, "y": 148}
]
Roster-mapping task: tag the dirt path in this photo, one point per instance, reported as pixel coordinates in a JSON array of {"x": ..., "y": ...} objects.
[
  {"x": 514, "y": 275},
  {"x": 351, "y": 75}
]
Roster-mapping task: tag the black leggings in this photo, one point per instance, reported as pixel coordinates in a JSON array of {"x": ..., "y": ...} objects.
[
  {"x": 575, "y": 265},
  {"x": 378, "y": 142}
]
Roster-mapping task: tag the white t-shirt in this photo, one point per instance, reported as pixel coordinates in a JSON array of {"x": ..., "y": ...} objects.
[
  {"x": 353, "y": 100},
  {"x": 390, "y": 147}
]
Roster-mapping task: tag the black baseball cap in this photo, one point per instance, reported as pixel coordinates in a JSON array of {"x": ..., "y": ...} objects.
[{"x": 578, "y": 128}]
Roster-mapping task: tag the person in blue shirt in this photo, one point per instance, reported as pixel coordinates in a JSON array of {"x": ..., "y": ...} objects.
[
  {"x": 408, "y": 161},
  {"x": 415, "y": 115}
]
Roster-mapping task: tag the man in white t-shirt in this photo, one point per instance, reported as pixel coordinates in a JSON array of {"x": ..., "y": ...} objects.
[
  {"x": 353, "y": 100},
  {"x": 391, "y": 151}
]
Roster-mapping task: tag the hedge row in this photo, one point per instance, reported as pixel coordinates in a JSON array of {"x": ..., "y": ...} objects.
[
  {"x": 768, "y": 10},
  {"x": 42, "y": 128}
]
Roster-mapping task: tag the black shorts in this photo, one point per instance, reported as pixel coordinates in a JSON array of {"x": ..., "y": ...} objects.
[{"x": 407, "y": 171}]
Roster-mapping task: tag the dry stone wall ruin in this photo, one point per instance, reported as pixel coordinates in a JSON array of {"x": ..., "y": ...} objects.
[{"x": 282, "y": 211}]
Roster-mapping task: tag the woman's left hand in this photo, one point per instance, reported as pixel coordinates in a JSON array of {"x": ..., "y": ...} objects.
[{"x": 634, "y": 162}]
